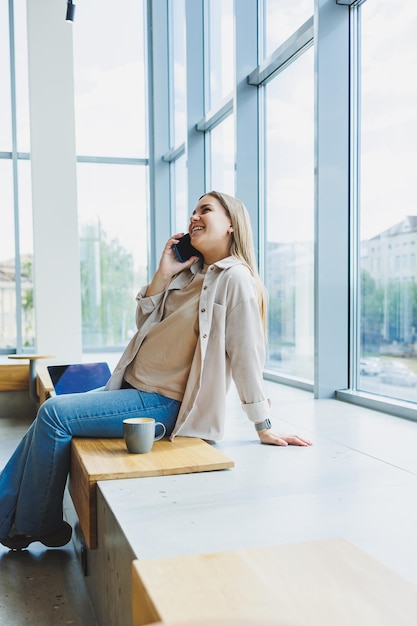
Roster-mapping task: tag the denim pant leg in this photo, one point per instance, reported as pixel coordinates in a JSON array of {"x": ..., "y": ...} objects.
[
  {"x": 32, "y": 483},
  {"x": 10, "y": 478}
]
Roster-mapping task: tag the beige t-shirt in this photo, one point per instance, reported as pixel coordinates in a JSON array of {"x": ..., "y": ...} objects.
[{"x": 163, "y": 362}]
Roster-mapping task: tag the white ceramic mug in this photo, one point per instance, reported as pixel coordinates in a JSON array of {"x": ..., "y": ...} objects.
[{"x": 139, "y": 434}]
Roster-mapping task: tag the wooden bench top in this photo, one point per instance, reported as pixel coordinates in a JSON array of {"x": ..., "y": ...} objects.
[
  {"x": 108, "y": 459},
  {"x": 319, "y": 583}
]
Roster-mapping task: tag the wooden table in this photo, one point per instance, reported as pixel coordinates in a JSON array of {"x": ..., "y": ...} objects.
[
  {"x": 108, "y": 459},
  {"x": 32, "y": 358},
  {"x": 328, "y": 582}
]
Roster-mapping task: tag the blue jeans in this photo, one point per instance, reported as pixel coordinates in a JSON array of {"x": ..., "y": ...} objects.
[{"x": 32, "y": 483}]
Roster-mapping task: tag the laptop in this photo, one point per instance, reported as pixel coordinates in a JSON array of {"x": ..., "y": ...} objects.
[{"x": 78, "y": 377}]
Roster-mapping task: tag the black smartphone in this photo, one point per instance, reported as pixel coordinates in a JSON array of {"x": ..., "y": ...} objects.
[{"x": 184, "y": 250}]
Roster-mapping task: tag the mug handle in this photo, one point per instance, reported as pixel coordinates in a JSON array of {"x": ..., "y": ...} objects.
[{"x": 164, "y": 430}]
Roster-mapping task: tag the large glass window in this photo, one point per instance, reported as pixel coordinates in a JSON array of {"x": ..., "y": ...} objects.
[
  {"x": 5, "y": 97},
  {"x": 110, "y": 78},
  {"x": 27, "y": 313},
  {"x": 17, "y": 321},
  {"x": 388, "y": 216},
  {"x": 219, "y": 58},
  {"x": 177, "y": 62},
  {"x": 110, "y": 100},
  {"x": 113, "y": 248},
  {"x": 222, "y": 157},
  {"x": 219, "y": 61},
  {"x": 16, "y": 241},
  {"x": 289, "y": 139},
  {"x": 7, "y": 260},
  {"x": 22, "y": 85}
]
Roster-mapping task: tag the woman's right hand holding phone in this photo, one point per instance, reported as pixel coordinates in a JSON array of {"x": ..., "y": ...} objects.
[{"x": 169, "y": 265}]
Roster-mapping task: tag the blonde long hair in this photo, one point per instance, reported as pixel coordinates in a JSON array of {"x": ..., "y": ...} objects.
[{"x": 241, "y": 245}]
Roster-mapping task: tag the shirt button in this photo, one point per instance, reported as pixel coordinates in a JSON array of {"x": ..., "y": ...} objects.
[
  {"x": 204, "y": 336},
  {"x": 212, "y": 267},
  {"x": 203, "y": 310},
  {"x": 205, "y": 287}
]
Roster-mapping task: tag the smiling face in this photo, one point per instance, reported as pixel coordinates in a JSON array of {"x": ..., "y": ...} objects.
[{"x": 210, "y": 229}]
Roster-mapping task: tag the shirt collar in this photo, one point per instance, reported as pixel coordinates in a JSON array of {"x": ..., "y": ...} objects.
[
  {"x": 223, "y": 264},
  {"x": 229, "y": 261},
  {"x": 181, "y": 279}
]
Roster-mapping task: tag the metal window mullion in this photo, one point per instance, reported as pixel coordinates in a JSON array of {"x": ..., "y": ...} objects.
[
  {"x": 18, "y": 281},
  {"x": 248, "y": 120},
  {"x": 393, "y": 406},
  {"x": 158, "y": 114},
  {"x": 262, "y": 182},
  {"x": 355, "y": 264},
  {"x": 206, "y": 56},
  {"x": 331, "y": 262},
  {"x": 112, "y": 160},
  {"x": 216, "y": 116},
  {"x": 171, "y": 109},
  {"x": 207, "y": 95},
  {"x": 172, "y": 155},
  {"x": 350, "y": 3},
  {"x": 285, "y": 54},
  {"x": 19, "y": 155}
]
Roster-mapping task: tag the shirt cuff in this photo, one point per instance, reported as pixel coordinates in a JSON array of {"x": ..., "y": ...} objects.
[
  {"x": 148, "y": 303},
  {"x": 258, "y": 411}
]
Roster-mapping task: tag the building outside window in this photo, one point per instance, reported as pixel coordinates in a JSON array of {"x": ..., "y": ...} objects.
[{"x": 388, "y": 209}]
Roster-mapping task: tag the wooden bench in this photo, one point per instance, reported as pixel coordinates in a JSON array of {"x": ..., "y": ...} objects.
[
  {"x": 14, "y": 377},
  {"x": 319, "y": 583},
  {"x": 108, "y": 459}
]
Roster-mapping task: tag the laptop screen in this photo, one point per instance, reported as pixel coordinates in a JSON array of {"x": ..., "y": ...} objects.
[{"x": 78, "y": 377}]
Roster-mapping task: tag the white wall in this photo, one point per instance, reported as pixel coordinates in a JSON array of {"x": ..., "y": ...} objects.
[{"x": 54, "y": 185}]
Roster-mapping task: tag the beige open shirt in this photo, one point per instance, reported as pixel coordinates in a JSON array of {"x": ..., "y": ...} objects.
[{"x": 231, "y": 344}]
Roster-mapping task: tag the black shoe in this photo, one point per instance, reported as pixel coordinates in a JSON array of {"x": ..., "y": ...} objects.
[{"x": 56, "y": 539}]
